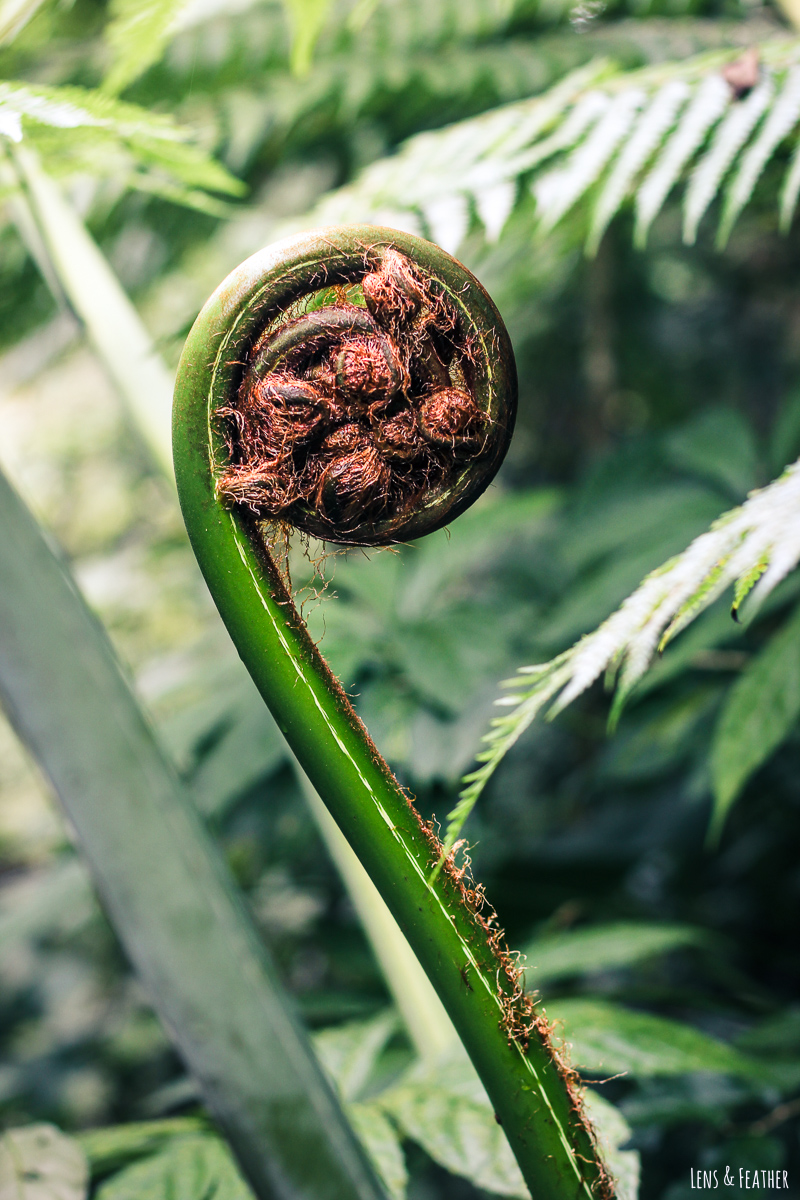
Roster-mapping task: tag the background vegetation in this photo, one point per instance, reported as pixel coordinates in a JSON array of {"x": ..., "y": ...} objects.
[{"x": 658, "y": 385}]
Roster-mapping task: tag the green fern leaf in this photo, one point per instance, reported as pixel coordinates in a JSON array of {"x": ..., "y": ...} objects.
[
  {"x": 77, "y": 129},
  {"x": 747, "y": 582},
  {"x": 557, "y": 192},
  {"x": 731, "y": 135},
  {"x": 779, "y": 124},
  {"x": 138, "y": 32},
  {"x": 657, "y": 119},
  {"x": 72, "y": 108},
  {"x": 705, "y": 109},
  {"x": 626, "y": 133},
  {"x": 694, "y": 604},
  {"x": 306, "y": 20},
  {"x": 753, "y": 547}
]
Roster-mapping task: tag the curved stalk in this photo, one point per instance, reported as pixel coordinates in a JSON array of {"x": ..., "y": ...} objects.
[
  {"x": 80, "y": 277},
  {"x": 429, "y": 1027},
  {"x": 460, "y": 948}
]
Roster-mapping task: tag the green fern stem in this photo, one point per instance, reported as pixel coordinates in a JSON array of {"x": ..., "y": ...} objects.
[{"x": 535, "y": 1098}]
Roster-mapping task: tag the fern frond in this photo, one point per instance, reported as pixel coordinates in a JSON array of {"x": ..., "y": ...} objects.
[
  {"x": 78, "y": 128},
  {"x": 731, "y": 135},
  {"x": 659, "y": 118},
  {"x": 137, "y": 34},
  {"x": 708, "y": 104},
  {"x": 753, "y": 547},
  {"x": 557, "y": 191},
  {"x": 73, "y": 107},
  {"x": 789, "y": 192},
  {"x": 780, "y": 123},
  {"x": 601, "y": 136}
]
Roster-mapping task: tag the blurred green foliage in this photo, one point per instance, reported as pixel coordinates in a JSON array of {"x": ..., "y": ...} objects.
[{"x": 656, "y": 389}]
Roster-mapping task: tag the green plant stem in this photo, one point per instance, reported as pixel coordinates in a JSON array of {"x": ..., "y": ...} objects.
[
  {"x": 76, "y": 271},
  {"x": 94, "y": 293},
  {"x": 552, "y": 1144},
  {"x": 424, "y": 1016},
  {"x": 168, "y": 894}
]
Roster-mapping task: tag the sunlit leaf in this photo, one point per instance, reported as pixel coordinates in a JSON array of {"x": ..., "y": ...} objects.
[
  {"x": 607, "y": 1039},
  {"x": 761, "y": 709},
  {"x": 187, "y": 1169},
  {"x": 602, "y": 948},
  {"x": 118, "y": 1144},
  {"x": 613, "y": 1132},
  {"x": 137, "y": 34},
  {"x": 349, "y": 1052},
  {"x": 444, "y": 1108},
  {"x": 306, "y": 19},
  {"x": 379, "y": 1138},
  {"x": 38, "y": 1162}
]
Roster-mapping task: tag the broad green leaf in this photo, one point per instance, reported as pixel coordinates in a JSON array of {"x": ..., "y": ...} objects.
[
  {"x": 759, "y": 713},
  {"x": 73, "y": 107},
  {"x": 137, "y": 34},
  {"x": 247, "y": 748},
  {"x": 349, "y": 1052},
  {"x": 717, "y": 445},
  {"x": 494, "y": 526},
  {"x": 670, "y": 1099},
  {"x": 658, "y": 739},
  {"x": 379, "y": 1138},
  {"x": 306, "y": 21},
  {"x": 173, "y": 904},
  {"x": 602, "y": 947},
  {"x": 38, "y": 1162},
  {"x": 776, "y": 1035},
  {"x": 117, "y": 1145},
  {"x": 612, "y": 1132},
  {"x": 190, "y": 1168},
  {"x": 607, "y": 1039},
  {"x": 444, "y": 1108},
  {"x": 58, "y": 897}
]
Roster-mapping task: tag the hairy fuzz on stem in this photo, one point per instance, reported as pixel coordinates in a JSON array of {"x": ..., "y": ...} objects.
[{"x": 359, "y": 383}]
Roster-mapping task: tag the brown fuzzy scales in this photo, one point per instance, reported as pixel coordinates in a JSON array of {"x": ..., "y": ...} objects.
[
  {"x": 355, "y": 424},
  {"x": 521, "y": 1022}
]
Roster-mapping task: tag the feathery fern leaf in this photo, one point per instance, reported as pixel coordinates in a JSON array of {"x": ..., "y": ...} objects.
[
  {"x": 708, "y": 103},
  {"x": 138, "y": 32},
  {"x": 75, "y": 128},
  {"x": 601, "y": 133},
  {"x": 779, "y": 124},
  {"x": 753, "y": 547},
  {"x": 732, "y": 133},
  {"x": 654, "y": 125}
]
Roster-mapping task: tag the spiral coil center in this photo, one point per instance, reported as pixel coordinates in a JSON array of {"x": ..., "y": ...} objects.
[{"x": 347, "y": 417}]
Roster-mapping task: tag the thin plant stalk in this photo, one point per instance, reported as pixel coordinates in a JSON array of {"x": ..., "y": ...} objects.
[
  {"x": 113, "y": 325},
  {"x": 169, "y": 896},
  {"x": 423, "y": 1013},
  {"x": 462, "y": 953}
]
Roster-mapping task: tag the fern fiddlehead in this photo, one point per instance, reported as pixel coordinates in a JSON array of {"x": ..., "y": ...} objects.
[{"x": 359, "y": 383}]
